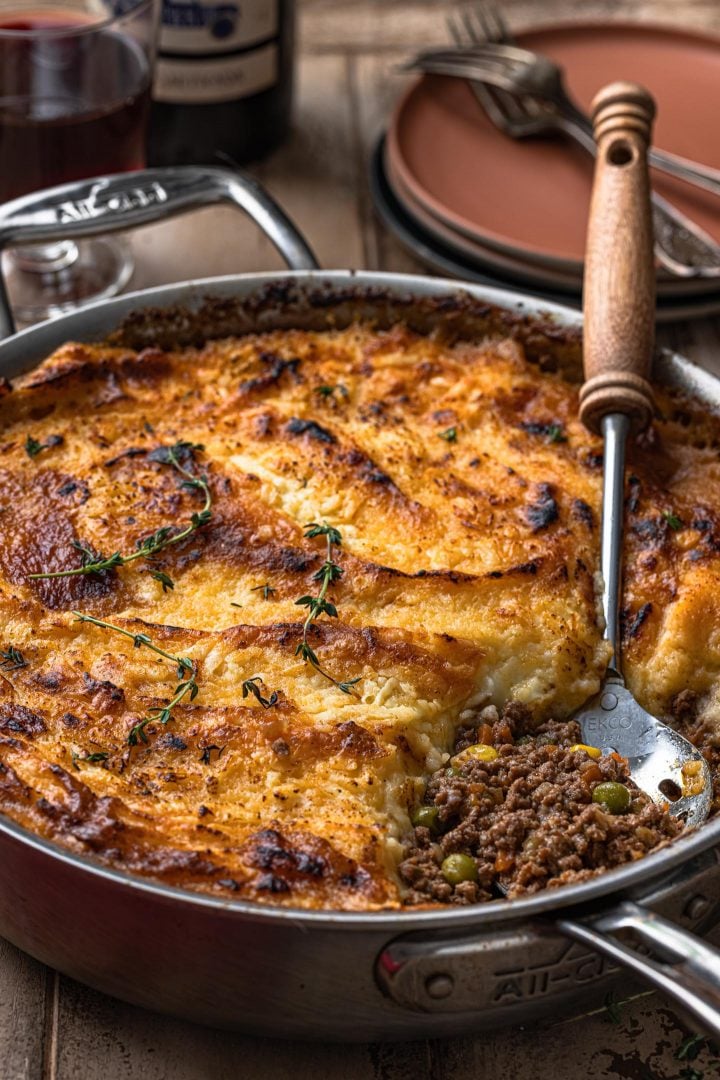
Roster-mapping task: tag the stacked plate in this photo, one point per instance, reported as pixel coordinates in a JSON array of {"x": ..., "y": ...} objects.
[{"x": 471, "y": 202}]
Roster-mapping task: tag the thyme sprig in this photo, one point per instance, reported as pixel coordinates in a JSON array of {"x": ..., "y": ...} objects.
[
  {"x": 690, "y": 1048},
  {"x": 12, "y": 659},
  {"x": 93, "y": 562},
  {"x": 328, "y": 573},
  {"x": 185, "y": 668}
]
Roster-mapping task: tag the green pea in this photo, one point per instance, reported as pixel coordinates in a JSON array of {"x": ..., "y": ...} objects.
[
  {"x": 427, "y": 816},
  {"x": 612, "y": 796},
  {"x": 457, "y": 868}
]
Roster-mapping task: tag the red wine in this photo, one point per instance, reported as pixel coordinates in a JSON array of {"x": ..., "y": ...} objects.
[
  {"x": 72, "y": 105},
  {"x": 223, "y": 84}
]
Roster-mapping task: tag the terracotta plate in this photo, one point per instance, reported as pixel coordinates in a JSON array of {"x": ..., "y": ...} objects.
[
  {"x": 530, "y": 198},
  {"x": 472, "y": 252}
]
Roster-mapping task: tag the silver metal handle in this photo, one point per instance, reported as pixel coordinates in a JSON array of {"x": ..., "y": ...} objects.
[
  {"x": 567, "y": 962},
  {"x": 615, "y": 429},
  {"x": 689, "y": 971},
  {"x": 702, "y": 176},
  {"x": 110, "y": 203}
]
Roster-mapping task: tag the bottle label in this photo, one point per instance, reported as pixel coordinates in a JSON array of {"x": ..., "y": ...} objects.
[
  {"x": 223, "y": 78},
  {"x": 198, "y": 28}
]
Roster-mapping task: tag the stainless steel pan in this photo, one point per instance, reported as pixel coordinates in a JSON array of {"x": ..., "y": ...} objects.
[{"x": 336, "y": 975}]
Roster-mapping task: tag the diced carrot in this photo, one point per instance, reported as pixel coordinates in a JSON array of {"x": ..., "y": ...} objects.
[
  {"x": 485, "y": 733},
  {"x": 590, "y": 773},
  {"x": 503, "y": 861}
]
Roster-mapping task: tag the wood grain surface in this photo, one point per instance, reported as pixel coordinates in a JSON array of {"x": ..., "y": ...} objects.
[{"x": 54, "y": 1029}]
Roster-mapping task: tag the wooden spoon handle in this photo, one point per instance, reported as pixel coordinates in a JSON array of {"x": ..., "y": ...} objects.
[{"x": 619, "y": 282}]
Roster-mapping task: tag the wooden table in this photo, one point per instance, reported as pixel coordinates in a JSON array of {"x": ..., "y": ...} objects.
[{"x": 51, "y": 1028}]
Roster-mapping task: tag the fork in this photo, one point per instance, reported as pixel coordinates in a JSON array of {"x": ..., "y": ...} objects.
[
  {"x": 538, "y": 75},
  {"x": 681, "y": 246}
]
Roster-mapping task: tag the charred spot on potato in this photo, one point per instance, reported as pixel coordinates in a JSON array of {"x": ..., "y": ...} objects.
[{"x": 544, "y": 511}]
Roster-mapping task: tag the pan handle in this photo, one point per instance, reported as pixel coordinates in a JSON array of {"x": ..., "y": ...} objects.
[
  {"x": 688, "y": 971},
  {"x": 109, "y": 203}
]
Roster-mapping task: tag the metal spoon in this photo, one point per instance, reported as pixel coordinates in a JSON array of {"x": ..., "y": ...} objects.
[{"x": 616, "y": 398}]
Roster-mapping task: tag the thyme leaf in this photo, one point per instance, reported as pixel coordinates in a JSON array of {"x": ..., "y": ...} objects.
[
  {"x": 555, "y": 434},
  {"x": 673, "y": 520},
  {"x": 165, "y": 580},
  {"x": 266, "y": 589},
  {"x": 449, "y": 435},
  {"x": 12, "y": 659},
  {"x": 206, "y": 754},
  {"x": 328, "y": 392},
  {"x": 185, "y": 670},
  {"x": 91, "y": 759},
  {"x": 250, "y": 686},
  {"x": 328, "y": 573},
  {"x": 552, "y": 433},
  {"x": 177, "y": 456},
  {"x": 33, "y": 447}
]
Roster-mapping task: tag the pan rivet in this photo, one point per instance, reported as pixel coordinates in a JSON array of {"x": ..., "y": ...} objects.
[
  {"x": 439, "y": 986},
  {"x": 696, "y": 906},
  {"x": 608, "y": 702}
]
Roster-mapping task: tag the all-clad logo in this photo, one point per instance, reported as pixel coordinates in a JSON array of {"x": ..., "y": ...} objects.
[
  {"x": 100, "y": 202},
  {"x": 219, "y": 19},
  {"x": 574, "y": 966}
]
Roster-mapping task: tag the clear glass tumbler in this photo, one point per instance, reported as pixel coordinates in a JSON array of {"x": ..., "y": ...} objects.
[{"x": 75, "y": 82}]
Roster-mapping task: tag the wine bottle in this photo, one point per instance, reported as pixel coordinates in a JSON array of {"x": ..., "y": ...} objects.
[{"x": 223, "y": 83}]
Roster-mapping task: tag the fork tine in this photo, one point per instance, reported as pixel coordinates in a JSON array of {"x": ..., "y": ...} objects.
[
  {"x": 486, "y": 30},
  {"x": 471, "y": 33},
  {"x": 497, "y": 31},
  {"x": 473, "y": 26},
  {"x": 455, "y": 29},
  {"x": 464, "y": 30},
  {"x": 504, "y": 34}
]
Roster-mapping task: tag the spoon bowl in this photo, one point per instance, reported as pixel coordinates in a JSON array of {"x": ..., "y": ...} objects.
[{"x": 663, "y": 764}]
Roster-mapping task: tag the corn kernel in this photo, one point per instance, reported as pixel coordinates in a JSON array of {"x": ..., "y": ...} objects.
[
  {"x": 476, "y": 752},
  {"x": 693, "y": 781},
  {"x": 591, "y": 751}
]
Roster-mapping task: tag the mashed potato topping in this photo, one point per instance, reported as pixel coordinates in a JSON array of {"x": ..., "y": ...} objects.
[{"x": 466, "y": 494}]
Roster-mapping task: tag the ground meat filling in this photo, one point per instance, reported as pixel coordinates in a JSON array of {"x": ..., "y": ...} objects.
[{"x": 526, "y": 818}]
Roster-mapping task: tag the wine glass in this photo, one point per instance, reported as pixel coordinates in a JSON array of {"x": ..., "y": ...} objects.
[{"x": 75, "y": 82}]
